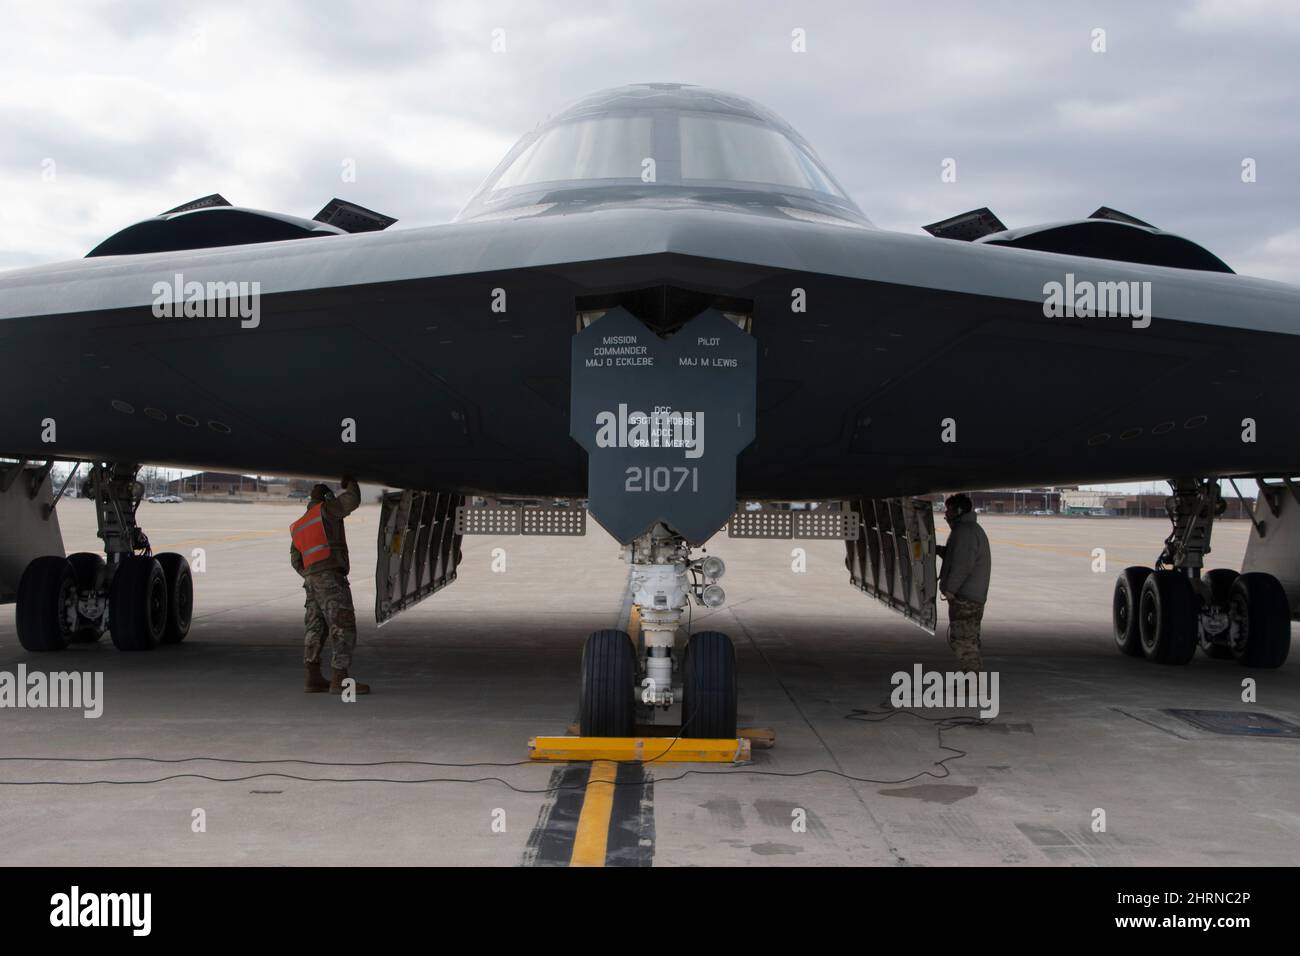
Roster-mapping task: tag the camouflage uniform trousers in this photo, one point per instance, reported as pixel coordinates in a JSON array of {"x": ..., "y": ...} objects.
[
  {"x": 964, "y": 632},
  {"x": 329, "y": 613}
]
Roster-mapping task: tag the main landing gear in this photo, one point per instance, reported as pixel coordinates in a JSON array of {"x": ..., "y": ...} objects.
[
  {"x": 621, "y": 678},
  {"x": 142, "y": 599},
  {"x": 1165, "y": 613}
]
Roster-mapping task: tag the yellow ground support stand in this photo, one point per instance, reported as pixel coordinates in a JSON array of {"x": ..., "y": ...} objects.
[{"x": 665, "y": 749}]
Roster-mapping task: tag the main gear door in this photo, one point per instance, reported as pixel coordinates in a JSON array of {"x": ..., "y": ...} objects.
[
  {"x": 892, "y": 559},
  {"x": 419, "y": 549},
  {"x": 29, "y": 525}
]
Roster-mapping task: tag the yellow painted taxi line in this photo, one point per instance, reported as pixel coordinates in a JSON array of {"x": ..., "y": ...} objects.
[{"x": 593, "y": 825}]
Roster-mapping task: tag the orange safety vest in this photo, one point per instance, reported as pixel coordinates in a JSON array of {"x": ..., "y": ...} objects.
[{"x": 309, "y": 537}]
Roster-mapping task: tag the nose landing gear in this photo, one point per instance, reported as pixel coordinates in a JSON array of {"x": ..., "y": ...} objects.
[{"x": 617, "y": 689}]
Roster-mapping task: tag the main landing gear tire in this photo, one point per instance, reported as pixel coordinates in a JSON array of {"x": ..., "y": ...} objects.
[
  {"x": 1261, "y": 620},
  {"x": 137, "y": 604},
  {"x": 86, "y": 569},
  {"x": 180, "y": 596},
  {"x": 46, "y": 615},
  {"x": 709, "y": 687},
  {"x": 1125, "y": 609},
  {"x": 607, "y": 707},
  {"x": 1167, "y": 618},
  {"x": 1220, "y": 582}
]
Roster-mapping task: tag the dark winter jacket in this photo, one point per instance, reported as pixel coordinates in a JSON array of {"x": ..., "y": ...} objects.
[{"x": 967, "y": 561}]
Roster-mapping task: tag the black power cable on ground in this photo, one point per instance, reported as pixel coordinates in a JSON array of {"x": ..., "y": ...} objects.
[{"x": 866, "y": 716}]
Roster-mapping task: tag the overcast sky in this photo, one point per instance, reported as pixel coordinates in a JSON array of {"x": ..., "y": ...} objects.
[{"x": 114, "y": 112}]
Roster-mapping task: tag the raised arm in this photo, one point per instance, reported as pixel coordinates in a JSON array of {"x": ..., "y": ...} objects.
[{"x": 347, "y": 500}]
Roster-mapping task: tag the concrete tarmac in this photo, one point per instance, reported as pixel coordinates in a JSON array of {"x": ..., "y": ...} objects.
[{"x": 468, "y": 676}]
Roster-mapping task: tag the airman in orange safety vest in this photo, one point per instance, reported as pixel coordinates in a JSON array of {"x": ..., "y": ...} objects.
[{"x": 319, "y": 553}]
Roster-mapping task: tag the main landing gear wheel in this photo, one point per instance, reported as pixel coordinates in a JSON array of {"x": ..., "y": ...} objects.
[
  {"x": 138, "y": 604},
  {"x": 709, "y": 687},
  {"x": 1261, "y": 620},
  {"x": 1219, "y": 581},
  {"x": 1167, "y": 618},
  {"x": 87, "y": 567},
  {"x": 1125, "y": 609},
  {"x": 607, "y": 707},
  {"x": 46, "y": 615},
  {"x": 180, "y": 596}
]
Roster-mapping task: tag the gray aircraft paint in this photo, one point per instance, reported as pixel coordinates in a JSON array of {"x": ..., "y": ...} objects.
[{"x": 644, "y": 228}]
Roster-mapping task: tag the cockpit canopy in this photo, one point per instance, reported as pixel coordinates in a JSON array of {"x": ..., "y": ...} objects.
[{"x": 662, "y": 139}]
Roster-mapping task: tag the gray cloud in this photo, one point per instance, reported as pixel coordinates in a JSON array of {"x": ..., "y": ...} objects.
[{"x": 146, "y": 106}]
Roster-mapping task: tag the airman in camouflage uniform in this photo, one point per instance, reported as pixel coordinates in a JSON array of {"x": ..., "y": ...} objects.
[
  {"x": 964, "y": 580},
  {"x": 328, "y": 610},
  {"x": 964, "y": 632}
]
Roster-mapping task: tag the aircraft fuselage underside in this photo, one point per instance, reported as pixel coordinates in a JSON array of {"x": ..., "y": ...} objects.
[{"x": 874, "y": 390}]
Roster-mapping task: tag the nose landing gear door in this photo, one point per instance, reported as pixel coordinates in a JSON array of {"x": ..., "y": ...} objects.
[{"x": 662, "y": 421}]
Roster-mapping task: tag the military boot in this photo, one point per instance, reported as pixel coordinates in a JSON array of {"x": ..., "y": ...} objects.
[
  {"x": 316, "y": 682},
  {"x": 336, "y": 685}
]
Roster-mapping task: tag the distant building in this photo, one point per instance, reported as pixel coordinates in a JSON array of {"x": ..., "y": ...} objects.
[
  {"x": 206, "y": 484},
  {"x": 1143, "y": 505},
  {"x": 1011, "y": 500},
  {"x": 1075, "y": 501},
  {"x": 219, "y": 484}
]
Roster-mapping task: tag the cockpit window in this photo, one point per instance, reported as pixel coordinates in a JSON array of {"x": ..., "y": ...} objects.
[
  {"x": 607, "y": 147},
  {"x": 726, "y": 149},
  {"x": 592, "y": 155}
]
